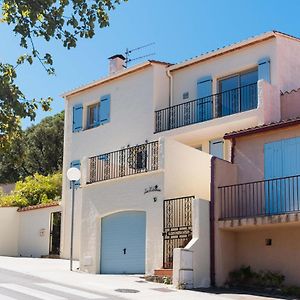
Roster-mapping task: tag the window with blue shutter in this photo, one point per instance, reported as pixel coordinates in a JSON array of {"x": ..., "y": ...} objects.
[
  {"x": 77, "y": 117},
  {"x": 204, "y": 109},
  {"x": 264, "y": 69},
  {"x": 93, "y": 115},
  {"x": 104, "y": 109},
  {"x": 75, "y": 164}
]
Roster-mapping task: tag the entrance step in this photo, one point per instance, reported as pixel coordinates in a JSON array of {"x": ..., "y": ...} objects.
[{"x": 163, "y": 272}]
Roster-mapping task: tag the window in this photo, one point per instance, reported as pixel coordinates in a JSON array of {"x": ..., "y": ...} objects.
[
  {"x": 237, "y": 93},
  {"x": 216, "y": 148},
  {"x": 93, "y": 115}
]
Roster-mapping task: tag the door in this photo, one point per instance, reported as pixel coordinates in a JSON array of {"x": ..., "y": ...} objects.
[
  {"x": 229, "y": 96},
  {"x": 123, "y": 238},
  {"x": 204, "y": 105},
  {"x": 55, "y": 223},
  {"x": 216, "y": 148},
  {"x": 282, "y": 163}
]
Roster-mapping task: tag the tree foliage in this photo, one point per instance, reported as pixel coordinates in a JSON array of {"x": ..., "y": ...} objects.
[
  {"x": 36, "y": 189},
  {"x": 62, "y": 20},
  {"x": 38, "y": 149}
]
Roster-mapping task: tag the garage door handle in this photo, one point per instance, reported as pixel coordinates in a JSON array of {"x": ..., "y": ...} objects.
[{"x": 124, "y": 250}]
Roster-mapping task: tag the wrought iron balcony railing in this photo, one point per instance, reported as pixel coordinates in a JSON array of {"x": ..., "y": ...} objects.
[
  {"x": 125, "y": 162},
  {"x": 260, "y": 198},
  {"x": 214, "y": 106}
]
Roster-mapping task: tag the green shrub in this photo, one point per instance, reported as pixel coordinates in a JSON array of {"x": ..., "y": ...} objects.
[
  {"x": 245, "y": 277},
  {"x": 34, "y": 190}
]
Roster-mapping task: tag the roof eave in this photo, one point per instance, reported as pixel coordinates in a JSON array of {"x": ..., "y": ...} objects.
[
  {"x": 225, "y": 50},
  {"x": 261, "y": 129},
  {"x": 107, "y": 79}
]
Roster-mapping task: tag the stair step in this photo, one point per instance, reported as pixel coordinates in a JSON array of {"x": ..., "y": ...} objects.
[{"x": 163, "y": 272}]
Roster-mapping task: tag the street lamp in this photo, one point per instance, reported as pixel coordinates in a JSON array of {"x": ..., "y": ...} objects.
[{"x": 73, "y": 175}]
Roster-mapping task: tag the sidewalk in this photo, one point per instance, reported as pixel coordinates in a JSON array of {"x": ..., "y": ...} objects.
[{"x": 57, "y": 271}]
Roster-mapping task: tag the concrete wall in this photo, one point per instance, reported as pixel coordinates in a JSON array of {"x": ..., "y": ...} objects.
[
  {"x": 288, "y": 73},
  {"x": 290, "y": 104},
  {"x": 9, "y": 231},
  {"x": 188, "y": 173},
  {"x": 249, "y": 152},
  {"x": 34, "y": 231},
  {"x": 282, "y": 256},
  {"x": 225, "y": 173}
]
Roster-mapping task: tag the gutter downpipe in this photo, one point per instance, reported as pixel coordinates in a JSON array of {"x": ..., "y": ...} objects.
[
  {"x": 212, "y": 224},
  {"x": 170, "y": 96},
  {"x": 170, "y": 88}
]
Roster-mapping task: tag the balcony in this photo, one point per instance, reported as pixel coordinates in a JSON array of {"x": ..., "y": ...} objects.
[
  {"x": 125, "y": 162},
  {"x": 278, "y": 196},
  {"x": 200, "y": 110}
]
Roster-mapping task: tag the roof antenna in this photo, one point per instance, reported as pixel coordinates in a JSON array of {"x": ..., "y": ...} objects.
[{"x": 128, "y": 52}]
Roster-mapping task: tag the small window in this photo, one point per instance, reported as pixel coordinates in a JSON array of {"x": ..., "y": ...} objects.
[
  {"x": 93, "y": 115},
  {"x": 268, "y": 242},
  {"x": 185, "y": 95}
]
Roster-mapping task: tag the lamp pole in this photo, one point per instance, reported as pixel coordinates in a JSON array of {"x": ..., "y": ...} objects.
[
  {"x": 73, "y": 175},
  {"x": 72, "y": 224}
]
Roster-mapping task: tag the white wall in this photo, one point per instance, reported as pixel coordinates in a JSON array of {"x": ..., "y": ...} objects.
[
  {"x": 127, "y": 193},
  {"x": 188, "y": 173},
  {"x": 9, "y": 231},
  {"x": 31, "y": 243},
  {"x": 185, "y": 80},
  {"x": 133, "y": 98}
]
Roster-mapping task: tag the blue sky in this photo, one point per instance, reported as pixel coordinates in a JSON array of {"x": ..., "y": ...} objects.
[{"x": 180, "y": 30}]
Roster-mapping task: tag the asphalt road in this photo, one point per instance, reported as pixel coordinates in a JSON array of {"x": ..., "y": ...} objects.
[
  {"x": 19, "y": 286},
  {"x": 50, "y": 279}
]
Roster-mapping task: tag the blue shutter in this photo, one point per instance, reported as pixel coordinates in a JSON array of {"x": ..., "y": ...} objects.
[
  {"x": 282, "y": 159},
  {"x": 77, "y": 117},
  {"x": 76, "y": 164},
  {"x": 104, "y": 109},
  {"x": 264, "y": 69},
  {"x": 204, "y": 109}
]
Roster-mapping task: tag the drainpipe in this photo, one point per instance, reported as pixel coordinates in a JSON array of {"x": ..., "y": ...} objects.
[
  {"x": 170, "y": 96},
  {"x": 170, "y": 88},
  {"x": 212, "y": 224},
  {"x": 232, "y": 150}
]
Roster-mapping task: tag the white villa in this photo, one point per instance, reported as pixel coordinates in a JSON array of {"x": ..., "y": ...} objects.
[{"x": 144, "y": 139}]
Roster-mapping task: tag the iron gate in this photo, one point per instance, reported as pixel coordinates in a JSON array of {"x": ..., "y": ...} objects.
[{"x": 177, "y": 222}]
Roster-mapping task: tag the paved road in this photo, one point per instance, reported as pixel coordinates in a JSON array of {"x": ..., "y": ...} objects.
[
  {"x": 50, "y": 279},
  {"x": 18, "y": 286}
]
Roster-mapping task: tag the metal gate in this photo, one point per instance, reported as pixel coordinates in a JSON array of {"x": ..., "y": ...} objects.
[
  {"x": 177, "y": 222},
  {"x": 54, "y": 241}
]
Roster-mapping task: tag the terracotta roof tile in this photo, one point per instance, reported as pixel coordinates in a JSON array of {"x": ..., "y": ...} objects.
[
  {"x": 33, "y": 207},
  {"x": 263, "y": 127}
]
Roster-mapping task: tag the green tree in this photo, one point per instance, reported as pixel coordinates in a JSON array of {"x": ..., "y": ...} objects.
[
  {"x": 63, "y": 20},
  {"x": 38, "y": 149},
  {"x": 36, "y": 189}
]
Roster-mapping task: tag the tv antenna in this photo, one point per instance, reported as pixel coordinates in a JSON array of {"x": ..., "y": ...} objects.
[{"x": 128, "y": 53}]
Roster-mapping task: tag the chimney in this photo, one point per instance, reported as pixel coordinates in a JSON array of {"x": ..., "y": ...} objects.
[{"x": 116, "y": 63}]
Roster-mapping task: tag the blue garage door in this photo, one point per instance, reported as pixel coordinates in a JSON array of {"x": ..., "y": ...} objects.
[{"x": 123, "y": 241}]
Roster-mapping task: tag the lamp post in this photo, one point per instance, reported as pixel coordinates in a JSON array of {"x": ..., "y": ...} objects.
[{"x": 73, "y": 175}]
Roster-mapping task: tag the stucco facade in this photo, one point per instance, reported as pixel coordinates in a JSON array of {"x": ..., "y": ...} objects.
[
  {"x": 184, "y": 160},
  {"x": 242, "y": 238},
  {"x": 26, "y": 231}
]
